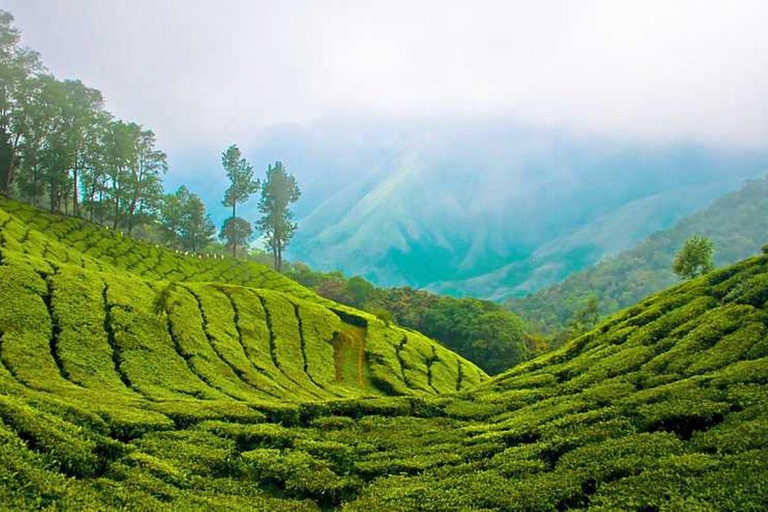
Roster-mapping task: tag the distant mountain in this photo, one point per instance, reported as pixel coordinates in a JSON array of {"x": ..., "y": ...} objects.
[
  {"x": 486, "y": 208},
  {"x": 737, "y": 223},
  {"x": 606, "y": 235}
]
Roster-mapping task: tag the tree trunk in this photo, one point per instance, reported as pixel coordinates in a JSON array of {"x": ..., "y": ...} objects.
[
  {"x": 10, "y": 171},
  {"x": 117, "y": 207},
  {"x": 132, "y": 214},
  {"x": 234, "y": 245},
  {"x": 52, "y": 197},
  {"x": 92, "y": 199},
  {"x": 75, "y": 209},
  {"x": 9, "y": 176}
]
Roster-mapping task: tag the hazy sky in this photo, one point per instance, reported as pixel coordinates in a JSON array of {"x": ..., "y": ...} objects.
[{"x": 205, "y": 73}]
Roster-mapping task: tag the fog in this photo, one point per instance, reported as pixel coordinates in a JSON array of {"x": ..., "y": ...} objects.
[{"x": 205, "y": 73}]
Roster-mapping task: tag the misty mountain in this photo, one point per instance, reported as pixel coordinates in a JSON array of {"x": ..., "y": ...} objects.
[
  {"x": 737, "y": 223},
  {"x": 488, "y": 208}
]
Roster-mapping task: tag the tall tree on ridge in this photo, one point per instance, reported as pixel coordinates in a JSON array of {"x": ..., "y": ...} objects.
[
  {"x": 146, "y": 189},
  {"x": 236, "y": 232},
  {"x": 83, "y": 108},
  {"x": 242, "y": 185},
  {"x": 93, "y": 176},
  {"x": 278, "y": 192},
  {"x": 120, "y": 159},
  {"x": 18, "y": 67}
]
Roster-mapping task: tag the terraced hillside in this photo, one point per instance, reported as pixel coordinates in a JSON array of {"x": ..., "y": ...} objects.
[
  {"x": 135, "y": 394},
  {"x": 108, "y": 314}
]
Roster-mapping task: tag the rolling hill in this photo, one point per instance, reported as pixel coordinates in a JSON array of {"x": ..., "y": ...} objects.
[
  {"x": 737, "y": 223},
  {"x": 104, "y": 312},
  {"x": 119, "y": 390},
  {"x": 482, "y": 207}
]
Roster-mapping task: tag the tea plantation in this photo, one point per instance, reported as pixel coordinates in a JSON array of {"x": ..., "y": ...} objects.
[{"x": 134, "y": 377}]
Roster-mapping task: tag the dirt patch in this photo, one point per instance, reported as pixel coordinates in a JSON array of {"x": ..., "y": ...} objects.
[{"x": 349, "y": 355}]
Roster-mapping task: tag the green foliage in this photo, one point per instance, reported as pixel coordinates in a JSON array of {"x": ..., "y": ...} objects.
[
  {"x": 199, "y": 395},
  {"x": 136, "y": 377},
  {"x": 587, "y": 316},
  {"x": 384, "y": 315},
  {"x": 694, "y": 258},
  {"x": 156, "y": 378},
  {"x": 736, "y": 224},
  {"x": 278, "y": 192},
  {"x": 240, "y": 174},
  {"x": 481, "y": 331},
  {"x": 236, "y": 232},
  {"x": 184, "y": 221}
]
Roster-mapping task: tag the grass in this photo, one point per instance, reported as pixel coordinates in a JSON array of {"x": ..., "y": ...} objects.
[{"x": 135, "y": 377}]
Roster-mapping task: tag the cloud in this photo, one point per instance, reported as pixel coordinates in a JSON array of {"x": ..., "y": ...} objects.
[{"x": 205, "y": 73}]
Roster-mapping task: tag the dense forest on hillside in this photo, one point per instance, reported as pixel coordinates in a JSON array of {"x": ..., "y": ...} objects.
[
  {"x": 737, "y": 224},
  {"x": 134, "y": 376},
  {"x": 480, "y": 330}
]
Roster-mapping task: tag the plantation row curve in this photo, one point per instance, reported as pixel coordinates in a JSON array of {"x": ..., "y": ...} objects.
[
  {"x": 225, "y": 394},
  {"x": 100, "y": 313}
]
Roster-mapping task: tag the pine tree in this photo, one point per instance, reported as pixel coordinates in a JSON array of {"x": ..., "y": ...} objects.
[
  {"x": 242, "y": 186},
  {"x": 278, "y": 192}
]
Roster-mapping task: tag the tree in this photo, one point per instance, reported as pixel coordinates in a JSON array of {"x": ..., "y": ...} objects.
[
  {"x": 184, "y": 221},
  {"x": 56, "y": 149},
  {"x": 133, "y": 181},
  {"x": 119, "y": 160},
  {"x": 83, "y": 107},
  {"x": 236, "y": 232},
  {"x": 145, "y": 187},
  {"x": 586, "y": 317},
  {"x": 198, "y": 229},
  {"x": 242, "y": 184},
  {"x": 93, "y": 175},
  {"x": 18, "y": 65},
  {"x": 360, "y": 291},
  {"x": 278, "y": 192},
  {"x": 694, "y": 258}
]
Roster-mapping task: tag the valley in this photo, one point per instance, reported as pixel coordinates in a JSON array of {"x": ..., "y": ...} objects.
[
  {"x": 235, "y": 388},
  {"x": 382, "y": 256}
]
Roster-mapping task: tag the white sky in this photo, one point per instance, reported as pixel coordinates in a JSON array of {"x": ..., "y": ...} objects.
[{"x": 205, "y": 73}]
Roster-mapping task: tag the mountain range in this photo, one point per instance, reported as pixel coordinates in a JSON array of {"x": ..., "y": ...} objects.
[
  {"x": 737, "y": 223},
  {"x": 485, "y": 207}
]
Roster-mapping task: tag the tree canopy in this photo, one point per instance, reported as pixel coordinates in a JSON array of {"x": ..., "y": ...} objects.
[
  {"x": 60, "y": 148},
  {"x": 695, "y": 257},
  {"x": 278, "y": 192},
  {"x": 184, "y": 221}
]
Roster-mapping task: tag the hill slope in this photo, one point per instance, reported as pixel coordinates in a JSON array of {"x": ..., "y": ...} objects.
[
  {"x": 737, "y": 223},
  {"x": 663, "y": 406},
  {"x": 106, "y": 313},
  {"x": 490, "y": 205}
]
